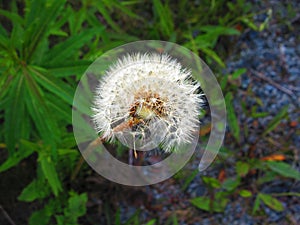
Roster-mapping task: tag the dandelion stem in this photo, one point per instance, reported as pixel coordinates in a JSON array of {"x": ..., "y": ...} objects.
[
  {"x": 98, "y": 141},
  {"x": 135, "y": 154}
]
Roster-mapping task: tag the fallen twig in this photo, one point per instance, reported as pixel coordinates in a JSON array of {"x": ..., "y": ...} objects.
[
  {"x": 278, "y": 86},
  {"x": 9, "y": 219}
]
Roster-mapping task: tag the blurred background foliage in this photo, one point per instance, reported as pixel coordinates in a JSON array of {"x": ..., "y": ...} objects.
[{"x": 45, "y": 47}]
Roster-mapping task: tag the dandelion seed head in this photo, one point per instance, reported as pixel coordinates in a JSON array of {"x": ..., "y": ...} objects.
[{"x": 148, "y": 99}]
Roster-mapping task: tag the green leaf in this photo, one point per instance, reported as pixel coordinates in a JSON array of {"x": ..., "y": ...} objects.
[
  {"x": 122, "y": 8},
  {"x": 202, "y": 41},
  {"x": 165, "y": 18},
  {"x": 15, "y": 158},
  {"x": 37, "y": 108},
  {"x": 232, "y": 119},
  {"x": 3, "y": 31},
  {"x": 37, "y": 189},
  {"x": 245, "y": 193},
  {"x": 58, "y": 32},
  {"x": 189, "y": 179},
  {"x": 242, "y": 168},
  {"x": 65, "y": 50},
  {"x": 265, "y": 23},
  {"x": 134, "y": 219},
  {"x": 259, "y": 114},
  {"x": 15, "y": 113},
  {"x": 5, "y": 86},
  {"x": 106, "y": 14},
  {"x": 212, "y": 33},
  {"x": 76, "y": 19},
  {"x": 256, "y": 204},
  {"x": 76, "y": 205},
  {"x": 41, "y": 49},
  {"x": 37, "y": 24},
  {"x": 118, "y": 217},
  {"x": 69, "y": 68},
  {"x": 204, "y": 203},
  {"x": 81, "y": 124},
  {"x": 219, "y": 30},
  {"x": 271, "y": 202},
  {"x": 267, "y": 177},
  {"x": 284, "y": 169},
  {"x": 276, "y": 120},
  {"x": 151, "y": 222},
  {"x": 249, "y": 23},
  {"x": 15, "y": 18},
  {"x": 224, "y": 81},
  {"x": 52, "y": 84},
  {"x": 238, "y": 73},
  {"x": 50, "y": 172},
  {"x": 231, "y": 184},
  {"x": 60, "y": 109},
  {"x": 214, "y": 56},
  {"x": 42, "y": 217},
  {"x": 3, "y": 42},
  {"x": 175, "y": 220},
  {"x": 212, "y": 182},
  {"x": 76, "y": 208},
  {"x": 60, "y": 220}
]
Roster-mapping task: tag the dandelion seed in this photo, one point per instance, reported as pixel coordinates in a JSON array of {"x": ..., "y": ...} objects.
[{"x": 147, "y": 100}]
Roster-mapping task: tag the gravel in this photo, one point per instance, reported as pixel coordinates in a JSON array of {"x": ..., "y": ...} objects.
[
  {"x": 270, "y": 57},
  {"x": 274, "y": 54}
]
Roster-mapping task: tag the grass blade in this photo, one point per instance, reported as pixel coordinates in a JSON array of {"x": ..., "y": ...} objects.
[
  {"x": 37, "y": 24},
  {"x": 165, "y": 18},
  {"x": 276, "y": 120},
  {"x": 52, "y": 84},
  {"x": 50, "y": 173},
  {"x": 271, "y": 202},
  {"x": 284, "y": 169},
  {"x": 14, "y": 113},
  {"x": 15, "y": 158},
  {"x": 70, "y": 68},
  {"x": 106, "y": 14},
  {"x": 37, "y": 108},
  {"x": 13, "y": 17},
  {"x": 232, "y": 119},
  {"x": 65, "y": 50}
]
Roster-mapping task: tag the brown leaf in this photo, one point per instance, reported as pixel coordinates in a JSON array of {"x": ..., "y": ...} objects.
[
  {"x": 293, "y": 123},
  {"x": 274, "y": 157},
  {"x": 222, "y": 176},
  {"x": 204, "y": 130}
]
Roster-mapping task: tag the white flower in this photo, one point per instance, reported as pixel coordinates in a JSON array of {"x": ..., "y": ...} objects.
[{"x": 145, "y": 100}]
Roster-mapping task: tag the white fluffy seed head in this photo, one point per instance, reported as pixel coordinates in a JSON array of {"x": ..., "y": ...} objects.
[{"x": 150, "y": 96}]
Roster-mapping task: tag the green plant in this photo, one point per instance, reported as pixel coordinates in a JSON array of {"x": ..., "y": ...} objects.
[
  {"x": 36, "y": 102},
  {"x": 216, "y": 201},
  {"x": 44, "y": 49},
  {"x": 219, "y": 193},
  {"x": 45, "y": 46},
  {"x": 65, "y": 211}
]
